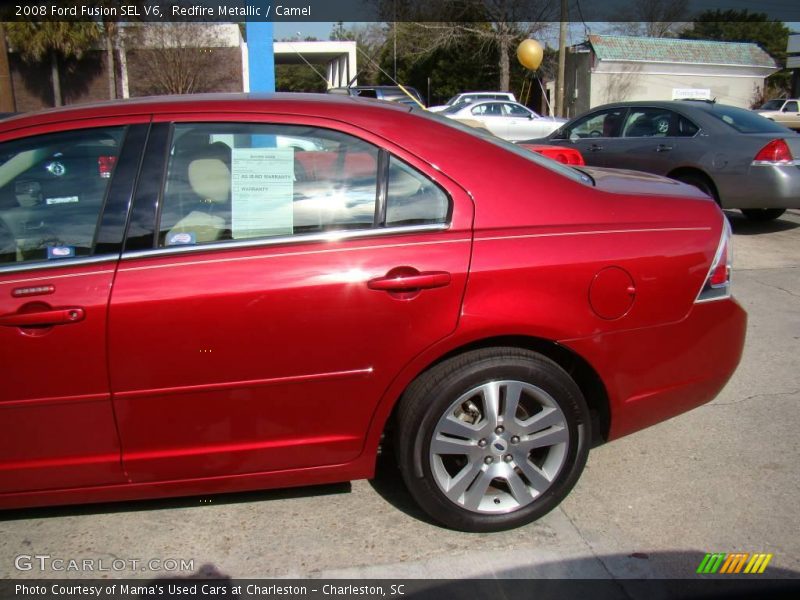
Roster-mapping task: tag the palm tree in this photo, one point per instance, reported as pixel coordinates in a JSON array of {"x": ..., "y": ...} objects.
[{"x": 54, "y": 41}]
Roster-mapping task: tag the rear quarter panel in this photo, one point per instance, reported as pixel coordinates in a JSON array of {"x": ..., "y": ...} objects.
[{"x": 540, "y": 240}]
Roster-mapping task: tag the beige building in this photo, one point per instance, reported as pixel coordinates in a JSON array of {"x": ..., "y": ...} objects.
[{"x": 611, "y": 68}]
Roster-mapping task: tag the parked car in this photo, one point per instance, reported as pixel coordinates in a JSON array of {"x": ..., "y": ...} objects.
[
  {"x": 785, "y": 112},
  {"x": 562, "y": 154},
  {"x": 186, "y": 308},
  {"x": 392, "y": 93},
  {"x": 469, "y": 97},
  {"x": 735, "y": 156},
  {"x": 506, "y": 120}
]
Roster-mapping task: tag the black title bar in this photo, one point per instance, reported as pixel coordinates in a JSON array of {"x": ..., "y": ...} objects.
[{"x": 384, "y": 10}]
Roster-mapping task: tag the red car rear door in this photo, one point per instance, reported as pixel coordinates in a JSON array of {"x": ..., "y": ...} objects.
[{"x": 292, "y": 267}]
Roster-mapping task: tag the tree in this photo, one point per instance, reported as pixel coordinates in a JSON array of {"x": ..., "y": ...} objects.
[
  {"x": 499, "y": 24},
  {"x": 7, "y": 103},
  {"x": 53, "y": 41},
  {"x": 180, "y": 59},
  {"x": 654, "y": 18},
  {"x": 744, "y": 26}
]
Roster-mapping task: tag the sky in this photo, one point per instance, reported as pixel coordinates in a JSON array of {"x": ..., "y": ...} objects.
[{"x": 320, "y": 30}]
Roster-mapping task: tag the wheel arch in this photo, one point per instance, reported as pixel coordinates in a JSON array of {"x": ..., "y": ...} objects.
[
  {"x": 578, "y": 368},
  {"x": 694, "y": 171}
]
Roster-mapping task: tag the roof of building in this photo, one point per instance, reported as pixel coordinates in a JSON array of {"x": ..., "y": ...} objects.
[{"x": 700, "y": 52}]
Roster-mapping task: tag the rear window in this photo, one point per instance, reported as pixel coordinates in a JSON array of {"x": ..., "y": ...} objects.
[
  {"x": 744, "y": 121},
  {"x": 772, "y": 105}
]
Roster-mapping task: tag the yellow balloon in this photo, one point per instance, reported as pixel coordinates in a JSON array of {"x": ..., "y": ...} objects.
[{"x": 530, "y": 54}]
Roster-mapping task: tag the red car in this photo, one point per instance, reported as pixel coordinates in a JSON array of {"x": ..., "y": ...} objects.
[{"x": 211, "y": 294}]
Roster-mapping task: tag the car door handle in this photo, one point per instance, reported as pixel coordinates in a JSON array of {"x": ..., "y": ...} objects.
[
  {"x": 60, "y": 316},
  {"x": 595, "y": 147},
  {"x": 663, "y": 148},
  {"x": 409, "y": 282}
]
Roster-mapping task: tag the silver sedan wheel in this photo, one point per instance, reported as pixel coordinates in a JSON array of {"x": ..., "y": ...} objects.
[{"x": 499, "y": 446}]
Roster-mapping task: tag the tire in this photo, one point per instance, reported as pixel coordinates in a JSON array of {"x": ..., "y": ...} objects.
[
  {"x": 475, "y": 468},
  {"x": 762, "y": 214},
  {"x": 701, "y": 182}
]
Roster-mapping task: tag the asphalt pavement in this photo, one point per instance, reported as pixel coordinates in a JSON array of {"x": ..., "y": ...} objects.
[{"x": 722, "y": 478}]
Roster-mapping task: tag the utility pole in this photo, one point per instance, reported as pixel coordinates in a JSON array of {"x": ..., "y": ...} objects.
[{"x": 562, "y": 45}]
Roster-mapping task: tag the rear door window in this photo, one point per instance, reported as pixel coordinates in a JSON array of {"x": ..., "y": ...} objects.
[
  {"x": 240, "y": 181},
  {"x": 648, "y": 122},
  {"x": 412, "y": 198},
  {"x": 606, "y": 124},
  {"x": 243, "y": 181}
]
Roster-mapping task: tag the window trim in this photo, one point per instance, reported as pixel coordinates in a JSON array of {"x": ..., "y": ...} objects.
[
  {"x": 63, "y": 263},
  {"x": 382, "y": 188},
  {"x": 122, "y": 186},
  {"x": 288, "y": 240},
  {"x": 152, "y": 171}
]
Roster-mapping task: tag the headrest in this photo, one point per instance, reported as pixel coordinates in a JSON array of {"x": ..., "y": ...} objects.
[
  {"x": 209, "y": 172},
  {"x": 210, "y": 179}
]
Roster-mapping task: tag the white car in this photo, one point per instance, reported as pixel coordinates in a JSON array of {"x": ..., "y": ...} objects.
[
  {"x": 508, "y": 120},
  {"x": 786, "y": 112},
  {"x": 470, "y": 97}
]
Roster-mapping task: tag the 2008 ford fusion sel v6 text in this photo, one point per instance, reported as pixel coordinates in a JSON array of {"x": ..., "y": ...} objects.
[{"x": 224, "y": 293}]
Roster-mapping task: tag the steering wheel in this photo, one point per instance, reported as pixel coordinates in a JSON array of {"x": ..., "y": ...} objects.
[{"x": 595, "y": 133}]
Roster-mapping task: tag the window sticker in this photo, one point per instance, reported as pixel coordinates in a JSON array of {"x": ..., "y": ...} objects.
[
  {"x": 261, "y": 192},
  {"x": 60, "y": 252},
  {"x": 62, "y": 200},
  {"x": 182, "y": 238}
]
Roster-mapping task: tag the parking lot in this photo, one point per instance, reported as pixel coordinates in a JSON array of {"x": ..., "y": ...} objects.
[{"x": 722, "y": 478}]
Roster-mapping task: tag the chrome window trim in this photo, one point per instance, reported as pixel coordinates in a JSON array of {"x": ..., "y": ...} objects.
[
  {"x": 769, "y": 163},
  {"x": 55, "y": 264},
  {"x": 329, "y": 236}
]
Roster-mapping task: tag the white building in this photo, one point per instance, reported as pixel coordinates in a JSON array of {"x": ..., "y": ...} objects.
[{"x": 611, "y": 68}]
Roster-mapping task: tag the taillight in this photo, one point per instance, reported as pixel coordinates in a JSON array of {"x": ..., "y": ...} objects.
[
  {"x": 577, "y": 159},
  {"x": 105, "y": 164},
  {"x": 718, "y": 282},
  {"x": 569, "y": 158},
  {"x": 775, "y": 153}
]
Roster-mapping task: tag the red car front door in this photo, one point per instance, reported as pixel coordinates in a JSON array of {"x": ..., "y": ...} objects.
[
  {"x": 258, "y": 351},
  {"x": 61, "y": 217}
]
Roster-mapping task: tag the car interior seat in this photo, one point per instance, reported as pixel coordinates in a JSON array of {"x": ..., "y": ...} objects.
[
  {"x": 641, "y": 127},
  {"x": 209, "y": 177}
]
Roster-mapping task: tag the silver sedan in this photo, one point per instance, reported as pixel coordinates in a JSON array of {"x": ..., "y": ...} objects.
[{"x": 737, "y": 157}]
